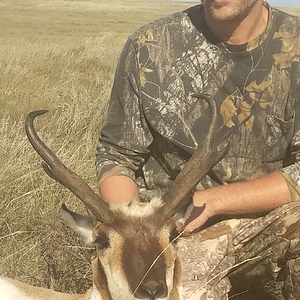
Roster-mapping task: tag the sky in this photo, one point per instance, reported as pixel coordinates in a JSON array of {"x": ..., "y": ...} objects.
[
  {"x": 285, "y": 3},
  {"x": 282, "y": 3}
]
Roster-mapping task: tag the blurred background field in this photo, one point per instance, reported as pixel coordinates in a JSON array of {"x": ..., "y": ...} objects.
[{"x": 56, "y": 55}]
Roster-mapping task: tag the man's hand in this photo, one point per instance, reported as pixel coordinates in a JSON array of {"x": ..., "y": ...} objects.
[
  {"x": 260, "y": 195},
  {"x": 196, "y": 219},
  {"x": 202, "y": 211}
]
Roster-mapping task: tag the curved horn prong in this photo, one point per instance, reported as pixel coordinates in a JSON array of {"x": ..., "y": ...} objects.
[
  {"x": 58, "y": 171},
  {"x": 196, "y": 167}
]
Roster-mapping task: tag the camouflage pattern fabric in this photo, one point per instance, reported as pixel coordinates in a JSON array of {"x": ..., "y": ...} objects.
[
  {"x": 154, "y": 123},
  {"x": 250, "y": 248}
]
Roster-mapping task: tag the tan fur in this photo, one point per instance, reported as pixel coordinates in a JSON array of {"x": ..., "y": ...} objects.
[
  {"x": 28, "y": 292},
  {"x": 99, "y": 283},
  {"x": 175, "y": 293}
]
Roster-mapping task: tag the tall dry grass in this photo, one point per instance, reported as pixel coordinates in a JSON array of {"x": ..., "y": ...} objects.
[{"x": 56, "y": 55}]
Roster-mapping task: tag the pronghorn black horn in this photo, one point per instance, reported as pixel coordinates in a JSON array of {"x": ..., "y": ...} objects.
[
  {"x": 58, "y": 171},
  {"x": 203, "y": 159}
]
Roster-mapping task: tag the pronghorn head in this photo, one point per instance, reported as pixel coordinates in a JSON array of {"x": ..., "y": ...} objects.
[{"x": 136, "y": 256}]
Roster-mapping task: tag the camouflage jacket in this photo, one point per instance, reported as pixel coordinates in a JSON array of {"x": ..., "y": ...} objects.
[{"x": 154, "y": 124}]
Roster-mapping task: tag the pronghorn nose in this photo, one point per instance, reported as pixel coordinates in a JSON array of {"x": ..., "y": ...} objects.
[{"x": 153, "y": 289}]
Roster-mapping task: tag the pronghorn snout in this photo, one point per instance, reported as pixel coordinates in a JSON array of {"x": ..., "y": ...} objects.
[{"x": 152, "y": 289}]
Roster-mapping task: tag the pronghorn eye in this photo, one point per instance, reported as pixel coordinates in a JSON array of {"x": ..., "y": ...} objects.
[
  {"x": 102, "y": 241},
  {"x": 173, "y": 235}
]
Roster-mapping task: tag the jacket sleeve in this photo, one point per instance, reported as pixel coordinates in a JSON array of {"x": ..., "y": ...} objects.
[
  {"x": 125, "y": 137},
  {"x": 291, "y": 173}
]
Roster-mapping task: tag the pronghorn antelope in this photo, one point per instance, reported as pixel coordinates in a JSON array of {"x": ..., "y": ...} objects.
[{"x": 136, "y": 256}]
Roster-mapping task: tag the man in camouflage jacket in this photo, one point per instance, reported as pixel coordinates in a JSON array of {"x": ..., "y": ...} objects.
[{"x": 245, "y": 55}]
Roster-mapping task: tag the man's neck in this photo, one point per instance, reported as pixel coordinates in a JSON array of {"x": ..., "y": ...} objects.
[{"x": 243, "y": 30}]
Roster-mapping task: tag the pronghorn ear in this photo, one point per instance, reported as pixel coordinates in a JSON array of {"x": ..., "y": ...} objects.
[{"x": 82, "y": 225}]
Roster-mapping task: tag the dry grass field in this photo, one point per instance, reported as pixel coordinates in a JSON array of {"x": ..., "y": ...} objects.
[{"x": 58, "y": 55}]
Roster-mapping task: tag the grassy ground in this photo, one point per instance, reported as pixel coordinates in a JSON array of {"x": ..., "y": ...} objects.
[{"x": 56, "y": 55}]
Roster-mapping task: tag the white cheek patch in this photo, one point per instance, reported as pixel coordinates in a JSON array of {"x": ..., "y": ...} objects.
[
  {"x": 112, "y": 265},
  {"x": 170, "y": 256},
  {"x": 169, "y": 279},
  {"x": 9, "y": 292},
  {"x": 181, "y": 293},
  {"x": 118, "y": 286},
  {"x": 95, "y": 295}
]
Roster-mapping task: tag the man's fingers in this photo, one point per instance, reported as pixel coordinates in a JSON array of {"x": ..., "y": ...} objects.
[{"x": 191, "y": 224}]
